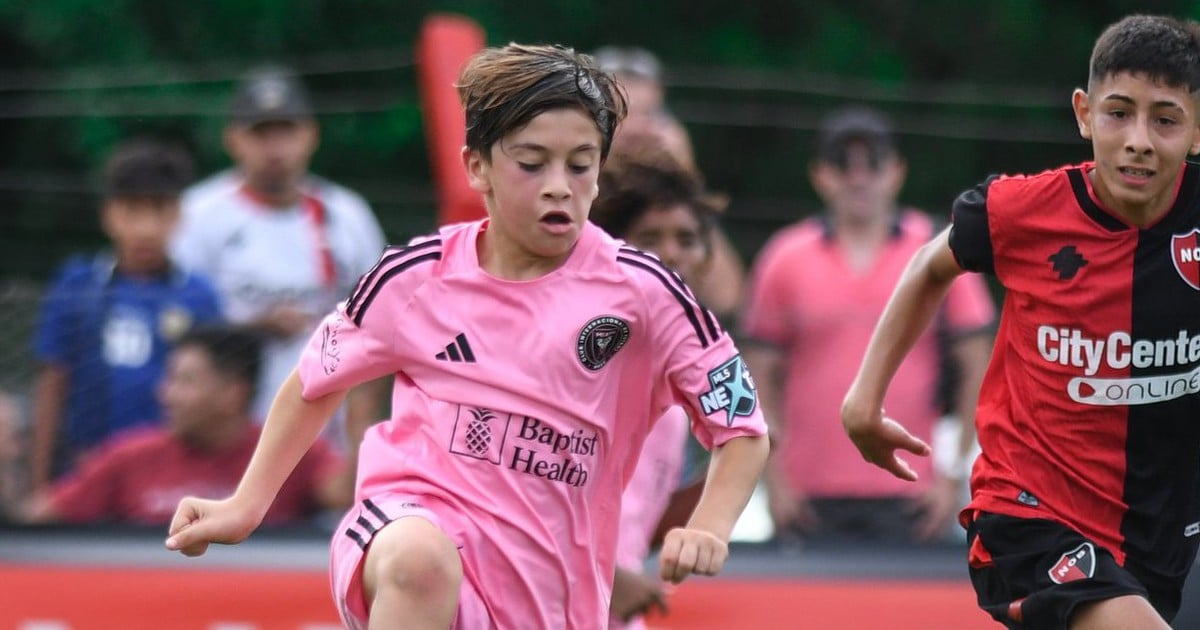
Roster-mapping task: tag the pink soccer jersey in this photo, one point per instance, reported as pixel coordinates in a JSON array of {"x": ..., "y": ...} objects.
[{"x": 520, "y": 409}]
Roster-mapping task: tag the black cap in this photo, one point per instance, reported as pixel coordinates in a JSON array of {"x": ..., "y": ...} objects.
[
  {"x": 854, "y": 124},
  {"x": 270, "y": 94},
  {"x": 143, "y": 168}
]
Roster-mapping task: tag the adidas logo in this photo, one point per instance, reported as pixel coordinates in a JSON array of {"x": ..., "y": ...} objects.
[{"x": 457, "y": 352}]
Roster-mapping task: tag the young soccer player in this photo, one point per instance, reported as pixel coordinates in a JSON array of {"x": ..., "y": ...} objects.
[
  {"x": 532, "y": 355},
  {"x": 1084, "y": 501}
]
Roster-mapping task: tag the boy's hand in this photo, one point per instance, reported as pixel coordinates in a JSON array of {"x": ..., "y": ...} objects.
[
  {"x": 199, "y": 522},
  {"x": 877, "y": 438},
  {"x": 636, "y": 594},
  {"x": 686, "y": 551}
]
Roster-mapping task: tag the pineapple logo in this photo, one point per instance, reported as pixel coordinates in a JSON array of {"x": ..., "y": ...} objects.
[{"x": 479, "y": 433}]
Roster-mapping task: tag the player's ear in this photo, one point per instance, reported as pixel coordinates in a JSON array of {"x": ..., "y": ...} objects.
[
  {"x": 1083, "y": 110},
  {"x": 478, "y": 171},
  {"x": 595, "y": 190}
]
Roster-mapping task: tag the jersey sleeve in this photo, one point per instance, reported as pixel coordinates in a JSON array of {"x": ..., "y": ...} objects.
[
  {"x": 970, "y": 234},
  {"x": 703, "y": 370},
  {"x": 764, "y": 319},
  {"x": 357, "y": 341}
]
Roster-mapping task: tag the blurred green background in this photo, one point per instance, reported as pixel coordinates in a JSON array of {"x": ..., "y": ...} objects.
[{"x": 973, "y": 88}]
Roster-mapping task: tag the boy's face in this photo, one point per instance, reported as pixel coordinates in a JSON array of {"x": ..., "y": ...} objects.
[
  {"x": 195, "y": 396},
  {"x": 862, "y": 189},
  {"x": 273, "y": 156},
  {"x": 139, "y": 228},
  {"x": 1141, "y": 131},
  {"x": 674, "y": 234},
  {"x": 539, "y": 184}
]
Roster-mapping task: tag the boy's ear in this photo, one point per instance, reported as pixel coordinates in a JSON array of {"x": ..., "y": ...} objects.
[
  {"x": 1083, "y": 110},
  {"x": 478, "y": 171}
]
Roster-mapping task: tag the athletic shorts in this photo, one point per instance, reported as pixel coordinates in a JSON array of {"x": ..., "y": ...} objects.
[
  {"x": 1033, "y": 573},
  {"x": 348, "y": 552}
]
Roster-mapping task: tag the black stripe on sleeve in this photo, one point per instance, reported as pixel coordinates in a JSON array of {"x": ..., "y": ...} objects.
[
  {"x": 391, "y": 272},
  {"x": 970, "y": 230},
  {"x": 679, "y": 296},
  {"x": 390, "y": 255},
  {"x": 362, "y": 520},
  {"x": 357, "y": 538},
  {"x": 370, "y": 505},
  {"x": 714, "y": 328}
]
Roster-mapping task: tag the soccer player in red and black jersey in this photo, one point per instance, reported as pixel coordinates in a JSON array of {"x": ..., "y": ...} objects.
[{"x": 1085, "y": 509}]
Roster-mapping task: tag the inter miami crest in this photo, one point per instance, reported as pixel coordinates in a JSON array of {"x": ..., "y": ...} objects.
[
  {"x": 600, "y": 339},
  {"x": 1185, "y": 253},
  {"x": 1077, "y": 564},
  {"x": 732, "y": 390}
]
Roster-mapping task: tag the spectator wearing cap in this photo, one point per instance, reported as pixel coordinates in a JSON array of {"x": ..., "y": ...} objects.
[
  {"x": 281, "y": 245},
  {"x": 109, "y": 319},
  {"x": 817, "y": 289}
]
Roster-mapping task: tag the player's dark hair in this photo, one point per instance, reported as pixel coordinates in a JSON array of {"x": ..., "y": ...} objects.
[
  {"x": 502, "y": 89},
  {"x": 1163, "y": 49},
  {"x": 234, "y": 352},
  {"x": 147, "y": 168},
  {"x": 641, "y": 177}
]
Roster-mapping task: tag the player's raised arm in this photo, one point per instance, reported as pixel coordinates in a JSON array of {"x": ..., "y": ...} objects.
[
  {"x": 908, "y": 313},
  {"x": 291, "y": 427}
]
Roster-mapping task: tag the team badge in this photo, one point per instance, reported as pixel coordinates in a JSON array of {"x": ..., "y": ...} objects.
[
  {"x": 1185, "y": 253},
  {"x": 173, "y": 321},
  {"x": 600, "y": 339},
  {"x": 1077, "y": 564},
  {"x": 732, "y": 390}
]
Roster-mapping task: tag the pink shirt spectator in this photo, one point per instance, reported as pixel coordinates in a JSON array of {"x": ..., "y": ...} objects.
[
  {"x": 520, "y": 409},
  {"x": 140, "y": 476},
  {"x": 655, "y": 478},
  {"x": 808, "y": 302}
]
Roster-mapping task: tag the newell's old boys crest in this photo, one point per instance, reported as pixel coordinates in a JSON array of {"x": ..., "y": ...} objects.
[
  {"x": 732, "y": 390},
  {"x": 1077, "y": 564},
  {"x": 600, "y": 339},
  {"x": 1185, "y": 253}
]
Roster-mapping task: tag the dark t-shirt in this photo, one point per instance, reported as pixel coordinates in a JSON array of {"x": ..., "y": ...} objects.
[{"x": 1088, "y": 414}]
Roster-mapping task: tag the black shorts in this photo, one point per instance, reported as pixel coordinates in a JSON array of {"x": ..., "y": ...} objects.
[{"x": 1032, "y": 573}]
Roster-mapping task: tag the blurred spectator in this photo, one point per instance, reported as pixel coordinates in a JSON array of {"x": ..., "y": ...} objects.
[
  {"x": 200, "y": 450},
  {"x": 817, "y": 290},
  {"x": 720, "y": 284},
  {"x": 281, "y": 245},
  {"x": 657, "y": 205},
  {"x": 13, "y": 447},
  {"x": 108, "y": 320}
]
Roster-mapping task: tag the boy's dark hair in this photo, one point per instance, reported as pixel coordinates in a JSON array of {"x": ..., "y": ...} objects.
[
  {"x": 234, "y": 352},
  {"x": 145, "y": 168},
  {"x": 642, "y": 177},
  {"x": 502, "y": 89},
  {"x": 1164, "y": 49}
]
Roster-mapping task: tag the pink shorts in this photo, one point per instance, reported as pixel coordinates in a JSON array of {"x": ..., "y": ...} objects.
[{"x": 348, "y": 551}]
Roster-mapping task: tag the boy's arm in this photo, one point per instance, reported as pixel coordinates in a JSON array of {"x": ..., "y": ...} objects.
[
  {"x": 703, "y": 545},
  {"x": 49, "y": 392},
  {"x": 291, "y": 428},
  {"x": 908, "y": 313}
]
